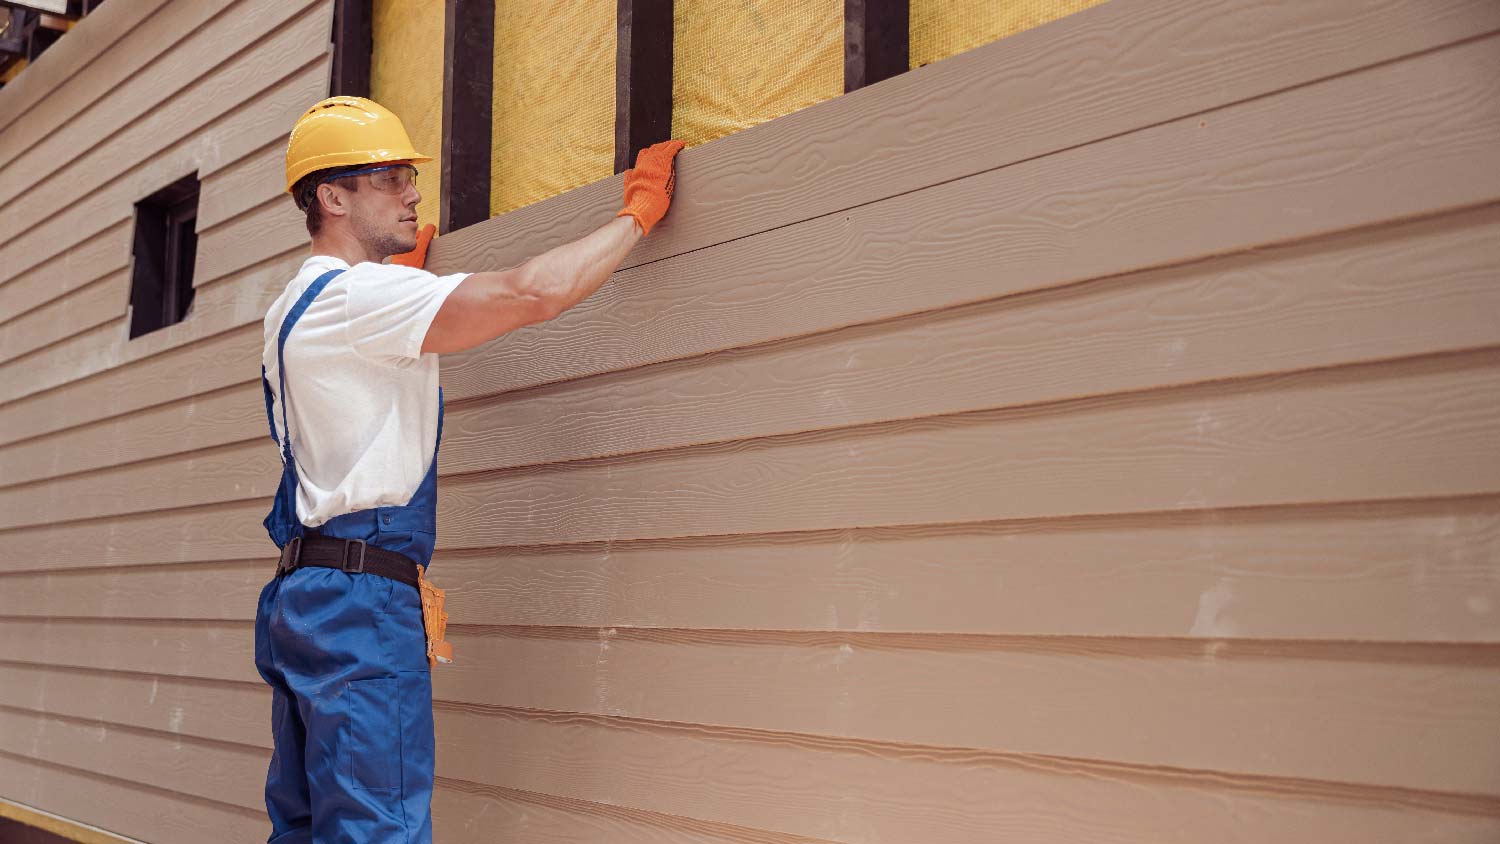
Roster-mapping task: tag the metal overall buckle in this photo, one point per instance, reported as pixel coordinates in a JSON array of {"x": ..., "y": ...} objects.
[
  {"x": 291, "y": 553},
  {"x": 344, "y": 563}
]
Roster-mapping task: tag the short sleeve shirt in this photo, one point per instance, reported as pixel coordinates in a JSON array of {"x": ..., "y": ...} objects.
[{"x": 362, "y": 398}]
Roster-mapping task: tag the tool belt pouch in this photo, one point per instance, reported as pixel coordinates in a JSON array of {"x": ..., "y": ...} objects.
[{"x": 435, "y": 620}]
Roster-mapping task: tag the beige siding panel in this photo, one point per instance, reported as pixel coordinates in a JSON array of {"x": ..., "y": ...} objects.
[
  {"x": 213, "y": 770},
  {"x": 127, "y": 808},
  {"x": 1210, "y": 184},
  {"x": 868, "y": 792},
  {"x": 97, "y": 302},
  {"x": 88, "y": 261},
  {"x": 258, "y": 235},
  {"x": 1405, "y": 572},
  {"x": 94, "y": 350},
  {"x": 1063, "y": 243},
  {"x": 240, "y": 186},
  {"x": 1087, "y": 77},
  {"x": 185, "y": 86},
  {"x": 110, "y": 209},
  {"x": 208, "y": 709},
  {"x": 1418, "y": 429},
  {"x": 101, "y": 50},
  {"x": 1421, "y": 717},
  {"x": 1251, "y": 314},
  {"x": 276, "y": 64},
  {"x": 232, "y": 414}
]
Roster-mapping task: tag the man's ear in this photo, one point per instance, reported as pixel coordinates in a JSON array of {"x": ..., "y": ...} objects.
[{"x": 332, "y": 201}]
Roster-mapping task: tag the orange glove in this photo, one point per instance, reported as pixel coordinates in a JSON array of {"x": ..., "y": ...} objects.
[
  {"x": 648, "y": 187},
  {"x": 417, "y": 257}
]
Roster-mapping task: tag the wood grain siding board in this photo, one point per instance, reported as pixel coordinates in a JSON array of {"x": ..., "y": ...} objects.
[
  {"x": 291, "y": 72},
  {"x": 1412, "y": 429},
  {"x": 1251, "y": 708},
  {"x": 260, "y": 234},
  {"x": 1417, "y": 429},
  {"x": 1276, "y": 309},
  {"x": 1249, "y": 314},
  {"x": 1415, "y": 717},
  {"x": 242, "y": 185},
  {"x": 232, "y": 414},
  {"x": 1211, "y": 184},
  {"x": 212, "y": 770},
  {"x": 102, "y": 50},
  {"x": 1081, "y": 79},
  {"x": 1367, "y": 119},
  {"x": 126, "y": 807},
  {"x": 1435, "y": 272},
  {"x": 868, "y": 792},
  {"x": 87, "y": 261},
  {"x": 193, "y": 82},
  {"x": 209, "y": 709},
  {"x": 215, "y": 590},
  {"x": 97, "y": 302}
]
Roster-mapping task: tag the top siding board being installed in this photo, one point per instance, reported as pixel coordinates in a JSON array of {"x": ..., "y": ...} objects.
[{"x": 1087, "y": 436}]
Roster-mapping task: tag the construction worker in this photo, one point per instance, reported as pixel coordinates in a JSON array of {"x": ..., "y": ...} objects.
[{"x": 350, "y": 372}]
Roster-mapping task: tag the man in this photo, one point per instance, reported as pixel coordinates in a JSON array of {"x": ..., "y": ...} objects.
[{"x": 350, "y": 375}]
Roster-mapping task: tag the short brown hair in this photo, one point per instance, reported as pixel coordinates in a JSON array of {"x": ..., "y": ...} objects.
[{"x": 305, "y": 194}]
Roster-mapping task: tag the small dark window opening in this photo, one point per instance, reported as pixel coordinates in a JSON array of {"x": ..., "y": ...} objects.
[{"x": 166, "y": 243}]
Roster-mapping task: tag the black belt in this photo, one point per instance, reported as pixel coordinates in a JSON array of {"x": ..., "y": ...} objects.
[{"x": 351, "y": 555}]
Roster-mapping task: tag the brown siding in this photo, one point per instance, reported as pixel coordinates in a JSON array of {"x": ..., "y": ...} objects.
[{"x": 1089, "y": 437}]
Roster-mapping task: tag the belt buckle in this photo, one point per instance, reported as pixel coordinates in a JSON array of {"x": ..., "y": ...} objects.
[
  {"x": 344, "y": 563},
  {"x": 291, "y": 553}
]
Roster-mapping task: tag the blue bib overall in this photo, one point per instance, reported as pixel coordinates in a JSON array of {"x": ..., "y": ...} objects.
[{"x": 345, "y": 655}]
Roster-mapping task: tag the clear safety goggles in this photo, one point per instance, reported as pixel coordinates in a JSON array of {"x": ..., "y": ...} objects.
[{"x": 387, "y": 178}]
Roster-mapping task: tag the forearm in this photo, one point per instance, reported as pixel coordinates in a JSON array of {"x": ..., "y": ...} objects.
[{"x": 568, "y": 274}]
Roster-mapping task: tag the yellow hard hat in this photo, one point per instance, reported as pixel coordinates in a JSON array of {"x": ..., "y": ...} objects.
[{"x": 341, "y": 131}]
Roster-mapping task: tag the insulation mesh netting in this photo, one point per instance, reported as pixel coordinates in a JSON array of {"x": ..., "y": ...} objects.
[{"x": 736, "y": 63}]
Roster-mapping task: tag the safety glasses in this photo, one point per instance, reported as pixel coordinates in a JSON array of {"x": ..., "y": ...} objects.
[{"x": 387, "y": 178}]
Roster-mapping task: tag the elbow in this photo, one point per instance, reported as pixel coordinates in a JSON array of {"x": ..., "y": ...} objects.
[{"x": 535, "y": 298}]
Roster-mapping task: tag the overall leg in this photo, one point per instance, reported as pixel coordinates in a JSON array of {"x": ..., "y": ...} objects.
[
  {"x": 350, "y": 657},
  {"x": 287, "y": 800}
]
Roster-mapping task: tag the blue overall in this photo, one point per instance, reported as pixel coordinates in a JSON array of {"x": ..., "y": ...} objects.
[{"x": 346, "y": 658}]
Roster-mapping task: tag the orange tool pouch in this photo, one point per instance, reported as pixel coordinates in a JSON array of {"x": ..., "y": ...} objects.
[{"x": 435, "y": 620}]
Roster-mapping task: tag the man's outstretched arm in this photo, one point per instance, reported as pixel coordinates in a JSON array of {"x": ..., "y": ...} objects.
[{"x": 487, "y": 305}]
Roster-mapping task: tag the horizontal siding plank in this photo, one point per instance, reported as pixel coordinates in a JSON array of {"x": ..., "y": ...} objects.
[
  {"x": 100, "y": 301},
  {"x": 125, "y": 807},
  {"x": 1232, "y": 318},
  {"x": 240, "y": 186},
  {"x": 870, "y": 793},
  {"x": 1239, "y": 316},
  {"x": 232, "y": 712},
  {"x": 102, "y": 51},
  {"x": 1075, "y": 81},
  {"x": 108, "y": 212},
  {"x": 1404, "y": 572},
  {"x": 212, "y": 770},
  {"x": 1419, "y": 717},
  {"x": 258, "y": 235},
  {"x": 195, "y": 80},
  {"x": 1381, "y": 109},
  {"x": 1412, "y": 429},
  {"x": 91, "y": 259},
  {"x": 1215, "y": 183},
  {"x": 277, "y": 67}
]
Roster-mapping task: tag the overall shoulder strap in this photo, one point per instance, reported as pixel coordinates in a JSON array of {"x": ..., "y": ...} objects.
[{"x": 298, "y": 309}]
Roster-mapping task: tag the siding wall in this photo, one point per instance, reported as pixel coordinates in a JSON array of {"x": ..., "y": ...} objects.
[{"x": 1089, "y": 437}]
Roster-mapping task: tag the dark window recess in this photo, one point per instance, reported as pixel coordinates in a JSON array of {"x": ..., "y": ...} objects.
[{"x": 161, "y": 278}]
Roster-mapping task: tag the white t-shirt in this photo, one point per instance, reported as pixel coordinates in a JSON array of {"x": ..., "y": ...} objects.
[{"x": 364, "y": 399}]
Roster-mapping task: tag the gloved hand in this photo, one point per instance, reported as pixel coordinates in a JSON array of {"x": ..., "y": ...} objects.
[
  {"x": 648, "y": 186},
  {"x": 417, "y": 257}
]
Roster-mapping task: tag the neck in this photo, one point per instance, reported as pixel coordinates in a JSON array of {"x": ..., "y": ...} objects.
[{"x": 339, "y": 243}]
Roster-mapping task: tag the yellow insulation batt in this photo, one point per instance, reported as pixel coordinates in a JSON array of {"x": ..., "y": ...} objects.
[
  {"x": 406, "y": 76},
  {"x": 736, "y": 63},
  {"x": 554, "y": 99},
  {"x": 943, "y": 28}
]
